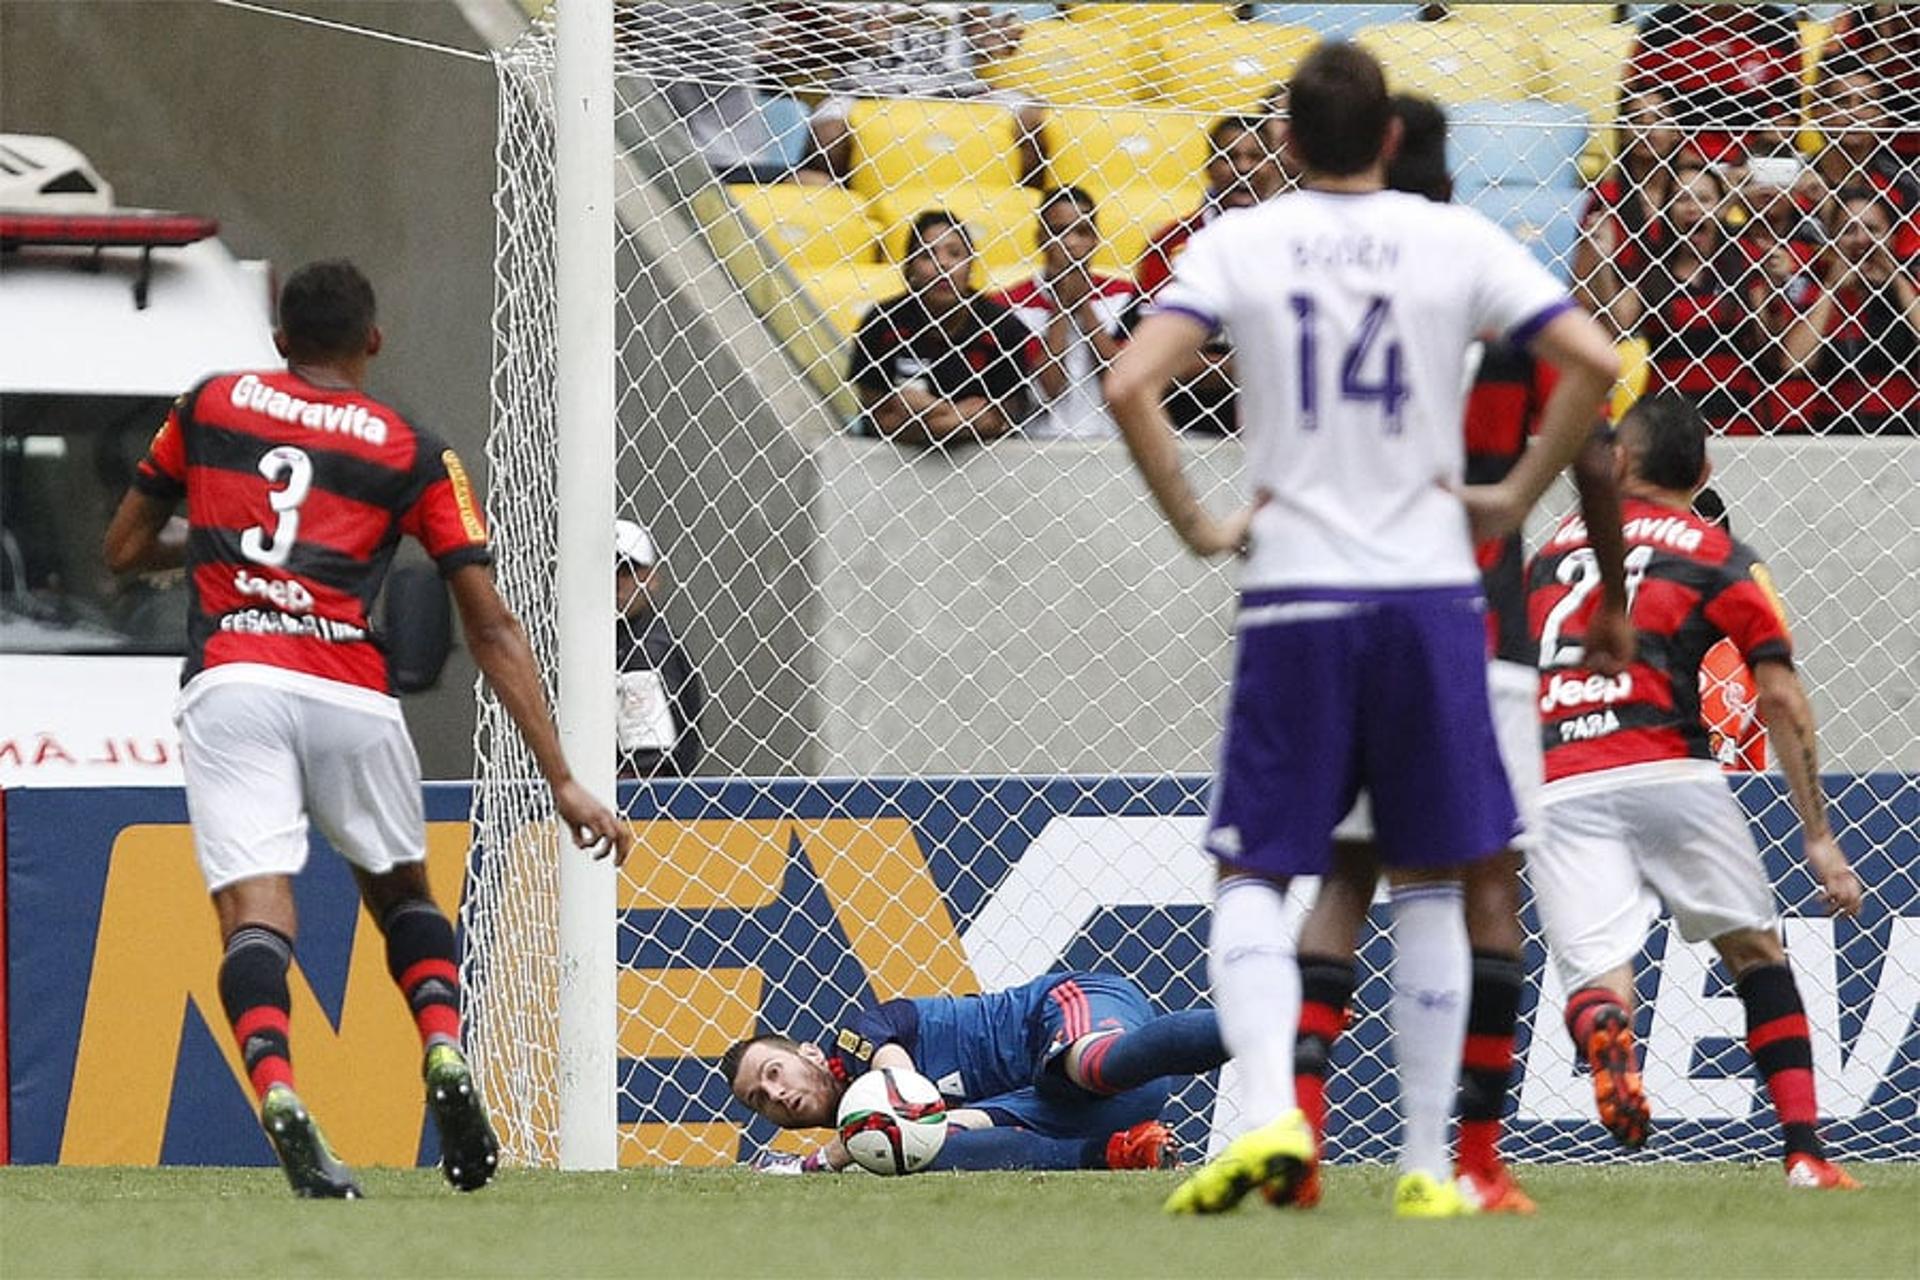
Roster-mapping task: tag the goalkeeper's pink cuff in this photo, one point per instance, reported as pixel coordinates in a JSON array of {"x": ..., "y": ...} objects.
[{"x": 816, "y": 1163}]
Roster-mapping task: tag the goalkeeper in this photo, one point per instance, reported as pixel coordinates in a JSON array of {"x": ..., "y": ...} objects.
[{"x": 1069, "y": 1071}]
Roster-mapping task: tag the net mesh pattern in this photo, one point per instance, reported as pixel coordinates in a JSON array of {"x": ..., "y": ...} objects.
[{"x": 949, "y": 595}]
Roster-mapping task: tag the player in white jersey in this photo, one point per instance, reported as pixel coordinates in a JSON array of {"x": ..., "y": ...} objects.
[{"x": 1361, "y": 655}]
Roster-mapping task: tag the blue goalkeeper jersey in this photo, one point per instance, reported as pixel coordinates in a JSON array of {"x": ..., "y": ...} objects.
[{"x": 984, "y": 1046}]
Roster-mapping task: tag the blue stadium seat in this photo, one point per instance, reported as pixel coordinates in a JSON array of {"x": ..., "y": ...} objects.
[
  {"x": 1335, "y": 20},
  {"x": 1029, "y": 12},
  {"x": 1516, "y": 144},
  {"x": 1547, "y": 221},
  {"x": 786, "y": 119}
]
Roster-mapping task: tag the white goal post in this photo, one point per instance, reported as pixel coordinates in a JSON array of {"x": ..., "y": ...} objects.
[{"x": 958, "y": 701}]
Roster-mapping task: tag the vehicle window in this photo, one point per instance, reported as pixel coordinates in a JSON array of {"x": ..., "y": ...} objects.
[{"x": 65, "y": 461}]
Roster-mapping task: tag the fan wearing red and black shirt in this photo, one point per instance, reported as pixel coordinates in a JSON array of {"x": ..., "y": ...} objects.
[
  {"x": 1634, "y": 799},
  {"x": 298, "y": 487}
]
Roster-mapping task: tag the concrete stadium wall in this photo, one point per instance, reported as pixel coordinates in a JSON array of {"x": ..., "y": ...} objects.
[{"x": 305, "y": 143}]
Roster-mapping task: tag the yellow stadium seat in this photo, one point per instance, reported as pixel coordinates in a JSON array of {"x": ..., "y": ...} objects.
[
  {"x": 1130, "y": 215},
  {"x": 1105, "y": 150},
  {"x": 844, "y": 294},
  {"x": 1451, "y": 61},
  {"x": 1583, "y": 68},
  {"x": 1634, "y": 368},
  {"x": 1000, "y": 220},
  {"x": 1813, "y": 38},
  {"x": 810, "y": 227},
  {"x": 906, "y": 143},
  {"x": 1068, "y": 62},
  {"x": 1226, "y": 70},
  {"x": 1136, "y": 28},
  {"x": 1536, "y": 19}
]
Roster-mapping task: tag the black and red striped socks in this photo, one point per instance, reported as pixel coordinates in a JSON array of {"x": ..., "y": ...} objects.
[
  {"x": 1486, "y": 1065},
  {"x": 1326, "y": 989},
  {"x": 1782, "y": 1052},
  {"x": 420, "y": 957},
  {"x": 253, "y": 990}
]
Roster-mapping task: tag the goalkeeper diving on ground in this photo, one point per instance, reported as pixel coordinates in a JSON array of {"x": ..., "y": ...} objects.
[{"x": 1068, "y": 1071}]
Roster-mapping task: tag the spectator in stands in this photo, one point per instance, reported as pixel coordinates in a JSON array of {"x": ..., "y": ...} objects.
[
  {"x": 939, "y": 363},
  {"x": 1618, "y": 223},
  {"x": 1887, "y": 38},
  {"x": 1077, "y": 317},
  {"x": 657, "y": 716},
  {"x": 1853, "y": 356},
  {"x": 1242, "y": 170},
  {"x": 1855, "y": 130},
  {"x": 1693, "y": 305},
  {"x": 1733, "y": 71},
  {"x": 711, "y": 62},
  {"x": 905, "y": 50}
]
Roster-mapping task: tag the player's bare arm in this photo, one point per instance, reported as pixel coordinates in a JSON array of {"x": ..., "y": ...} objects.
[
  {"x": 1587, "y": 364},
  {"x": 1610, "y": 640},
  {"x": 1784, "y": 709},
  {"x": 501, "y": 651},
  {"x": 145, "y": 535},
  {"x": 1135, "y": 385}
]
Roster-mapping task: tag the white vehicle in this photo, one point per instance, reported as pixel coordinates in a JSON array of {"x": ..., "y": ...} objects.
[{"x": 106, "y": 315}]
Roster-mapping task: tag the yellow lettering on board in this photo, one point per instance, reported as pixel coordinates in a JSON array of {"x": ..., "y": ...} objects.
[
  {"x": 158, "y": 948},
  {"x": 705, "y": 864}
]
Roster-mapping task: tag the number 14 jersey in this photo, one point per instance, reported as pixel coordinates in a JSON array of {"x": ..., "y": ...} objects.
[
  {"x": 296, "y": 499},
  {"x": 1351, "y": 317}
]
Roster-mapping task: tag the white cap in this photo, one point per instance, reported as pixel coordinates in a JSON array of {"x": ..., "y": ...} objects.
[{"x": 631, "y": 544}]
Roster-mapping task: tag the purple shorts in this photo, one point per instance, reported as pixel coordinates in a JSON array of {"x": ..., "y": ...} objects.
[{"x": 1334, "y": 691}]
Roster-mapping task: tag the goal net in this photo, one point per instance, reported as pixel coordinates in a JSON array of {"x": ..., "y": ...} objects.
[{"x": 958, "y": 690}]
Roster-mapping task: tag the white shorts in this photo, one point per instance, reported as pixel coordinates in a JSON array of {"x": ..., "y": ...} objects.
[
  {"x": 263, "y": 749},
  {"x": 1512, "y": 688},
  {"x": 1612, "y": 853}
]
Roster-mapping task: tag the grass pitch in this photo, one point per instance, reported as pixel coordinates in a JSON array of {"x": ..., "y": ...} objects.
[{"x": 1693, "y": 1221}]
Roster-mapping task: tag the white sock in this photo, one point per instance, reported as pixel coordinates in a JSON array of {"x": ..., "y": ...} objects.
[
  {"x": 1432, "y": 974},
  {"x": 1256, "y": 990}
]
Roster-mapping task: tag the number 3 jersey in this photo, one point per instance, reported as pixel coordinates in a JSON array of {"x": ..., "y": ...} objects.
[
  {"x": 296, "y": 499},
  {"x": 1689, "y": 584}
]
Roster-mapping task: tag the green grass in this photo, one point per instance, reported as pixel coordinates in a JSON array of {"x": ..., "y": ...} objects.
[{"x": 1693, "y": 1221}]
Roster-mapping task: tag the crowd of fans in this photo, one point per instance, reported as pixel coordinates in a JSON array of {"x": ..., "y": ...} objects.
[{"x": 1761, "y": 236}]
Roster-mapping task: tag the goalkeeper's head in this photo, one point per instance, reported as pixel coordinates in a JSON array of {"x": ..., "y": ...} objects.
[
  {"x": 783, "y": 1081},
  {"x": 327, "y": 316}
]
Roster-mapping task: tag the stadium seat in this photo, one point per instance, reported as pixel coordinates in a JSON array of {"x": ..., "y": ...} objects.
[
  {"x": 1136, "y": 28},
  {"x": 1635, "y": 355},
  {"x": 1533, "y": 144},
  {"x": 1335, "y": 21},
  {"x": 1068, "y": 62},
  {"x": 810, "y": 227},
  {"x": 1106, "y": 150},
  {"x": 906, "y": 143},
  {"x": 1582, "y": 67},
  {"x": 1225, "y": 70},
  {"x": 1545, "y": 220},
  {"x": 1000, "y": 220},
  {"x": 1451, "y": 61},
  {"x": 1534, "y": 20},
  {"x": 844, "y": 293},
  {"x": 1129, "y": 216},
  {"x": 786, "y": 120},
  {"x": 1029, "y": 12}
]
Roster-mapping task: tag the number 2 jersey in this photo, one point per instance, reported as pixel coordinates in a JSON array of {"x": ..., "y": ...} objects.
[
  {"x": 1689, "y": 585},
  {"x": 297, "y": 496}
]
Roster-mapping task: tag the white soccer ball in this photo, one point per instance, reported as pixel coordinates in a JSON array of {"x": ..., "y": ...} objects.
[{"x": 893, "y": 1121}]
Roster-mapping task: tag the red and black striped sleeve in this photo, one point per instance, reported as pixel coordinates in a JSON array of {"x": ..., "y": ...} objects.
[
  {"x": 444, "y": 515},
  {"x": 162, "y": 473},
  {"x": 1747, "y": 609}
]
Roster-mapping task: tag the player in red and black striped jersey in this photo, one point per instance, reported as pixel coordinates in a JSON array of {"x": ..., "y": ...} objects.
[
  {"x": 1634, "y": 799},
  {"x": 298, "y": 487}
]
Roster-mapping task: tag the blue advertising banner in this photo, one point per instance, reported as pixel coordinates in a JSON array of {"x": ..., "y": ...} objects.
[{"x": 852, "y": 891}]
